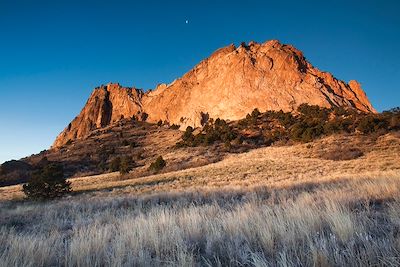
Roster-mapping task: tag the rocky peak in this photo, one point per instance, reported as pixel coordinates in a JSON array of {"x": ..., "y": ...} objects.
[
  {"x": 107, "y": 104},
  {"x": 229, "y": 84}
]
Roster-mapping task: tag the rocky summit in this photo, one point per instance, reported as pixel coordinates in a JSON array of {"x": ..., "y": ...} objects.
[{"x": 229, "y": 84}]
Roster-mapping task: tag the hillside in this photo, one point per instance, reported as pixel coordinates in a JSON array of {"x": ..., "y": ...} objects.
[
  {"x": 271, "y": 206},
  {"x": 142, "y": 142},
  {"x": 227, "y": 85},
  {"x": 317, "y": 186},
  {"x": 322, "y": 159}
]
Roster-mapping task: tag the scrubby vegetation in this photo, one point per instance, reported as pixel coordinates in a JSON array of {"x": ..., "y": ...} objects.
[
  {"x": 213, "y": 131},
  {"x": 158, "y": 164},
  {"x": 122, "y": 164},
  {"x": 94, "y": 154},
  {"x": 273, "y": 206},
  {"x": 47, "y": 183},
  {"x": 14, "y": 171},
  {"x": 309, "y": 123},
  {"x": 115, "y": 164},
  {"x": 126, "y": 165},
  {"x": 174, "y": 127}
]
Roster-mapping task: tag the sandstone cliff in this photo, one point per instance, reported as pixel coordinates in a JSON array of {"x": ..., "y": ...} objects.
[
  {"x": 229, "y": 84},
  {"x": 106, "y": 104}
]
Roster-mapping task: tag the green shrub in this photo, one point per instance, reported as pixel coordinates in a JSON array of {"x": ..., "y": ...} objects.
[
  {"x": 115, "y": 164},
  {"x": 392, "y": 117},
  {"x": 174, "y": 127},
  {"x": 311, "y": 133},
  {"x": 285, "y": 118},
  {"x": 188, "y": 134},
  {"x": 371, "y": 124},
  {"x": 125, "y": 165},
  {"x": 338, "y": 125},
  {"x": 47, "y": 183},
  {"x": 341, "y": 111},
  {"x": 255, "y": 113},
  {"x": 221, "y": 131},
  {"x": 332, "y": 127},
  {"x": 314, "y": 112},
  {"x": 251, "y": 119},
  {"x": 158, "y": 164},
  {"x": 310, "y": 123},
  {"x": 305, "y": 132}
]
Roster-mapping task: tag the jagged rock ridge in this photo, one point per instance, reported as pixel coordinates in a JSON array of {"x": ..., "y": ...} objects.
[
  {"x": 106, "y": 104},
  {"x": 229, "y": 84}
]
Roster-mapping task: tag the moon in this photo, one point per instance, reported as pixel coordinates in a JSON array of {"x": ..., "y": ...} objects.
[{"x": 187, "y": 22}]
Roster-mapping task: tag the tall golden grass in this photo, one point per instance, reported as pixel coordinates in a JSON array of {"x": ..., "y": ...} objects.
[
  {"x": 341, "y": 223},
  {"x": 269, "y": 207}
]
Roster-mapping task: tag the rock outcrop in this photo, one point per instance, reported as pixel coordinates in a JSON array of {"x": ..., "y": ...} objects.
[
  {"x": 106, "y": 104},
  {"x": 229, "y": 84}
]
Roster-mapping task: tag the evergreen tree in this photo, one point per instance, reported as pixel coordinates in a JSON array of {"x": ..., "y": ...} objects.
[
  {"x": 125, "y": 165},
  {"x": 158, "y": 165},
  {"x": 47, "y": 183}
]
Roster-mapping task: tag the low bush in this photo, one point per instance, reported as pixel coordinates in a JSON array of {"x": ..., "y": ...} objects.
[
  {"x": 309, "y": 123},
  {"x": 47, "y": 183},
  {"x": 337, "y": 125},
  {"x": 125, "y": 165},
  {"x": 158, "y": 164},
  {"x": 174, "y": 127},
  {"x": 115, "y": 164},
  {"x": 255, "y": 113},
  {"x": 314, "y": 112},
  {"x": 306, "y": 132},
  {"x": 285, "y": 118},
  {"x": 371, "y": 124},
  {"x": 213, "y": 131},
  {"x": 188, "y": 134}
]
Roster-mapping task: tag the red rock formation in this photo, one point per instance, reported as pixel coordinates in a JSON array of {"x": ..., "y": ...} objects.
[
  {"x": 229, "y": 84},
  {"x": 106, "y": 105}
]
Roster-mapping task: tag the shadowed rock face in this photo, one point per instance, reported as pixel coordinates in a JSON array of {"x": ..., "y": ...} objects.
[{"x": 229, "y": 84}]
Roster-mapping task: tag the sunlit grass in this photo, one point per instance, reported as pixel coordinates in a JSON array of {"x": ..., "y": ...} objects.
[{"x": 278, "y": 206}]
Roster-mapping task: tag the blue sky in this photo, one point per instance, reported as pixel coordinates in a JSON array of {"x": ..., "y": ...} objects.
[{"x": 53, "y": 53}]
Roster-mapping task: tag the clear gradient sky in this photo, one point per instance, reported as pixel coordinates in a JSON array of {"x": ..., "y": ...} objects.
[{"x": 53, "y": 53}]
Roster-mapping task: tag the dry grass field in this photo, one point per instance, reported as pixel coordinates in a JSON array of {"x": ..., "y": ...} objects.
[{"x": 299, "y": 205}]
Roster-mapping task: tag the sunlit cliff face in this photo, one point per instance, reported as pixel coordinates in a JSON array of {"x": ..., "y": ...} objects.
[{"x": 229, "y": 84}]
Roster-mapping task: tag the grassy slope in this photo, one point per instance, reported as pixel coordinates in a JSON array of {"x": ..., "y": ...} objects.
[{"x": 270, "y": 206}]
